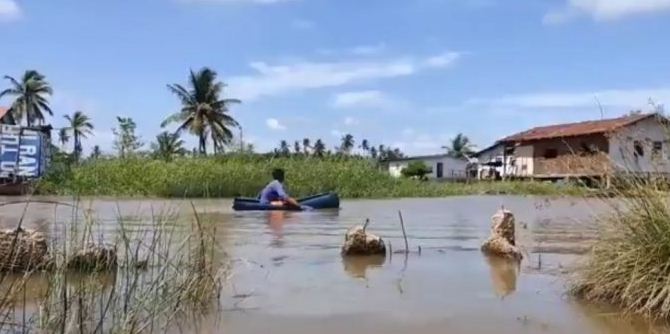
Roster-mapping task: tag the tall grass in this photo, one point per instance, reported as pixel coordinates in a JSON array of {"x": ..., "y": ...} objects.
[
  {"x": 629, "y": 265},
  {"x": 231, "y": 176},
  {"x": 167, "y": 272}
]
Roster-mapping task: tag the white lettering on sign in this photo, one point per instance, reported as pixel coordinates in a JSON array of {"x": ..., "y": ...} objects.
[
  {"x": 7, "y": 168},
  {"x": 28, "y": 150},
  {"x": 27, "y": 166},
  {"x": 20, "y": 152}
]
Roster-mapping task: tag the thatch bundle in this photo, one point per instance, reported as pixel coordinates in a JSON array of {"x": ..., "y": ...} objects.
[
  {"x": 93, "y": 258},
  {"x": 359, "y": 242},
  {"x": 502, "y": 241},
  {"x": 23, "y": 250}
]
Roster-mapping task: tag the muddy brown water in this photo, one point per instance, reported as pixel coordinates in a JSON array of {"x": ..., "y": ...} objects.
[{"x": 290, "y": 278}]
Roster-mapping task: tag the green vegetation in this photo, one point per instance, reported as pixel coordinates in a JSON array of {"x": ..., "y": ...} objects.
[
  {"x": 417, "y": 169},
  {"x": 460, "y": 147},
  {"x": 126, "y": 142},
  {"x": 203, "y": 111},
  {"x": 168, "y": 146},
  {"x": 80, "y": 126},
  {"x": 629, "y": 265},
  {"x": 232, "y": 175},
  {"x": 30, "y": 98}
]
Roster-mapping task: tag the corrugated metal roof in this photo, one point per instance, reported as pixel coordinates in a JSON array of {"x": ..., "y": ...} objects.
[
  {"x": 576, "y": 129},
  {"x": 426, "y": 157}
]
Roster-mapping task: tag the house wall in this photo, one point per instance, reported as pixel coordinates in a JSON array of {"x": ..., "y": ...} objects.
[
  {"x": 646, "y": 132},
  {"x": 452, "y": 168},
  {"x": 524, "y": 162}
]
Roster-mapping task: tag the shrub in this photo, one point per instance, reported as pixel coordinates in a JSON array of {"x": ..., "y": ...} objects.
[{"x": 417, "y": 169}]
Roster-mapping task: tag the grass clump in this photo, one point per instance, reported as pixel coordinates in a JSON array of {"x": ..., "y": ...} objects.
[
  {"x": 239, "y": 175},
  {"x": 629, "y": 264}
]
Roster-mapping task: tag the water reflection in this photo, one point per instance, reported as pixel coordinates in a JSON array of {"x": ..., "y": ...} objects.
[
  {"x": 357, "y": 266},
  {"x": 504, "y": 274},
  {"x": 34, "y": 288}
]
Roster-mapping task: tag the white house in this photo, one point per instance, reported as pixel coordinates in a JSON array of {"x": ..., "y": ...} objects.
[
  {"x": 635, "y": 143},
  {"x": 442, "y": 166}
]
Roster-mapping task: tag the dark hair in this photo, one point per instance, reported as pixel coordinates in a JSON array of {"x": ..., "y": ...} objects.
[{"x": 278, "y": 174}]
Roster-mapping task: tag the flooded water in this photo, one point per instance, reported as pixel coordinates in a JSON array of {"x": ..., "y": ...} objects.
[{"x": 289, "y": 277}]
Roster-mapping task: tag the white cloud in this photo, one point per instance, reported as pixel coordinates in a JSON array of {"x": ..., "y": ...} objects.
[
  {"x": 350, "y": 121},
  {"x": 302, "y": 24},
  {"x": 272, "y": 80},
  {"x": 9, "y": 10},
  {"x": 361, "y": 99},
  {"x": 444, "y": 60},
  {"x": 274, "y": 124},
  {"x": 604, "y": 10},
  {"x": 366, "y": 50},
  {"x": 634, "y": 98}
]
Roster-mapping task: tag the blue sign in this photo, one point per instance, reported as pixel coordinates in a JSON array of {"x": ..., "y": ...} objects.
[{"x": 21, "y": 152}]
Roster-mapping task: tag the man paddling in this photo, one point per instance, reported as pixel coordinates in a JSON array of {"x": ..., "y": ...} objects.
[{"x": 274, "y": 194}]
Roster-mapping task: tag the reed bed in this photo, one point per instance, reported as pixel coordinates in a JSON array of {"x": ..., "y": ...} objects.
[
  {"x": 169, "y": 272},
  {"x": 230, "y": 176}
]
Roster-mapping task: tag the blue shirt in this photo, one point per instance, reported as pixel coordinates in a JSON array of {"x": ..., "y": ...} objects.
[{"x": 274, "y": 191}]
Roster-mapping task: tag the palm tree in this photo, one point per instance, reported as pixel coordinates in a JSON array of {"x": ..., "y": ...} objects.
[
  {"x": 319, "y": 148},
  {"x": 306, "y": 145},
  {"x": 347, "y": 144},
  {"x": 284, "y": 149},
  {"x": 296, "y": 147},
  {"x": 203, "y": 111},
  {"x": 373, "y": 152},
  {"x": 96, "y": 152},
  {"x": 167, "y": 146},
  {"x": 365, "y": 146},
  {"x": 460, "y": 147},
  {"x": 30, "y": 98},
  {"x": 396, "y": 154},
  {"x": 80, "y": 126},
  {"x": 63, "y": 136},
  {"x": 381, "y": 152}
]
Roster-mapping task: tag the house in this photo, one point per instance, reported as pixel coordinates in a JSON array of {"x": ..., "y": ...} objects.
[
  {"x": 493, "y": 163},
  {"x": 637, "y": 143},
  {"x": 442, "y": 166}
]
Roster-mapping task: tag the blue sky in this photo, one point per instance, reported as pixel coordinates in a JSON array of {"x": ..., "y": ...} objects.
[{"x": 407, "y": 73}]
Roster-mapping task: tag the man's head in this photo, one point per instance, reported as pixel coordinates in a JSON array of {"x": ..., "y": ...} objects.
[{"x": 278, "y": 174}]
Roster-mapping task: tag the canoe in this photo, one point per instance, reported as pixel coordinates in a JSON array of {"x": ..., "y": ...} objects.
[{"x": 321, "y": 201}]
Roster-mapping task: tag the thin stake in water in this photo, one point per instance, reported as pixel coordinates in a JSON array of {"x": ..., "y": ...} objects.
[{"x": 404, "y": 234}]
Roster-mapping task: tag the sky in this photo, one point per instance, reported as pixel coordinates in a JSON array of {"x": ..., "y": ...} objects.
[{"x": 404, "y": 73}]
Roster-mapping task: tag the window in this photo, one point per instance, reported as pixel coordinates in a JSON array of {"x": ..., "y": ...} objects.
[
  {"x": 550, "y": 153},
  {"x": 657, "y": 150},
  {"x": 638, "y": 149}
]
